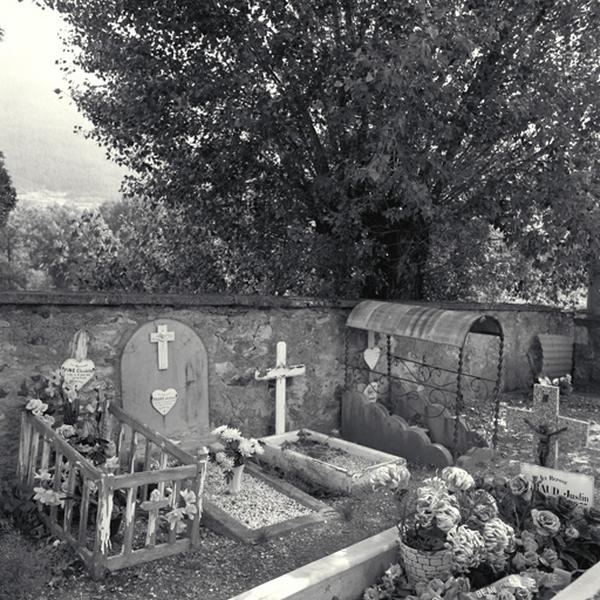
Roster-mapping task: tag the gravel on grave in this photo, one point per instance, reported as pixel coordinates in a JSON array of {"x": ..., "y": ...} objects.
[
  {"x": 351, "y": 462},
  {"x": 256, "y": 505}
]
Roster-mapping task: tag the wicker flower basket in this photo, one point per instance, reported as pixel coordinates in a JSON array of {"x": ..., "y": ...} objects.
[{"x": 421, "y": 565}]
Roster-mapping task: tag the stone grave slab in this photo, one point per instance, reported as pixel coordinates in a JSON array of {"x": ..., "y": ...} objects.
[
  {"x": 221, "y": 522},
  {"x": 164, "y": 380},
  {"x": 332, "y": 477}
]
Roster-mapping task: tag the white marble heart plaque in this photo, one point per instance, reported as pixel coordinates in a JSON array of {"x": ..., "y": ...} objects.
[
  {"x": 370, "y": 391},
  {"x": 371, "y": 356},
  {"x": 77, "y": 372},
  {"x": 163, "y": 400}
]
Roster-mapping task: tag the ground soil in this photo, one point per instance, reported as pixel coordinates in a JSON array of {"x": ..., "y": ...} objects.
[{"x": 222, "y": 568}]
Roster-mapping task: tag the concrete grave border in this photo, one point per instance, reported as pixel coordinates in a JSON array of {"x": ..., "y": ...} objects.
[
  {"x": 221, "y": 522},
  {"x": 329, "y": 477}
]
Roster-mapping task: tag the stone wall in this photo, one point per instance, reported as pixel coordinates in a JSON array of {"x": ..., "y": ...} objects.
[{"x": 240, "y": 334}]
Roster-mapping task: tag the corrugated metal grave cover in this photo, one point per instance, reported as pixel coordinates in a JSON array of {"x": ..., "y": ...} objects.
[
  {"x": 557, "y": 354},
  {"x": 421, "y": 322}
]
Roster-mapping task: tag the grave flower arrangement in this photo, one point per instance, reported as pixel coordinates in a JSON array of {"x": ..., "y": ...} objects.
[
  {"x": 234, "y": 450},
  {"x": 505, "y": 538},
  {"x": 76, "y": 416}
]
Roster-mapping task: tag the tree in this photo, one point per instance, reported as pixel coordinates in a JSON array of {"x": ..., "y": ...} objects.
[{"x": 351, "y": 143}]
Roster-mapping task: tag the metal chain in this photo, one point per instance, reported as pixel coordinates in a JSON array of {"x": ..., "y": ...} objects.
[
  {"x": 389, "y": 368},
  {"x": 459, "y": 400},
  {"x": 497, "y": 393}
]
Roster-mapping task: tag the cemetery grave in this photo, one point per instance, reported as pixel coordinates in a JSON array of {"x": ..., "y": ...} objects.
[
  {"x": 161, "y": 484},
  {"x": 334, "y": 464}
]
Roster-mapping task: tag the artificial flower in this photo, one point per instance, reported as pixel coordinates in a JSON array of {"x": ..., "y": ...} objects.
[
  {"x": 457, "y": 479},
  {"x": 66, "y": 431},
  {"x": 447, "y": 516},
  {"x": 498, "y": 536},
  {"x": 43, "y": 475},
  {"x": 519, "y": 486},
  {"x": 528, "y": 541},
  {"x": 393, "y": 477},
  {"x": 571, "y": 533},
  {"x": 48, "y": 419},
  {"x": 467, "y": 548},
  {"x": 545, "y": 522},
  {"x": 230, "y": 434},
  {"x": 36, "y": 407}
]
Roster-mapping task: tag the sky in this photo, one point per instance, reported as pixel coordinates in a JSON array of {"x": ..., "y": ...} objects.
[{"x": 45, "y": 158}]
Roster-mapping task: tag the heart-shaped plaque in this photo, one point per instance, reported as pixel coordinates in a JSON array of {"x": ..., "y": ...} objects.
[
  {"x": 371, "y": 356},
  {"x": 163, "y": 400},
  {"x": 77, "y": 372}
]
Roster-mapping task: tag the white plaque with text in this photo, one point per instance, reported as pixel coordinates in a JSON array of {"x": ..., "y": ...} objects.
[{"x": 574, "y": 486}]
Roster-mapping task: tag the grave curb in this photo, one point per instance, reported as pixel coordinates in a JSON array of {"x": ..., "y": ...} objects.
[
  {"x": 331, "y": 478},
  {"x": 344, "y": 574},
  {"x": 222, "y": 523}
]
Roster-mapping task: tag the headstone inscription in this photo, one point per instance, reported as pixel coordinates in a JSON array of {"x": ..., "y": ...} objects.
[
  {"x": 280, "y": 374},
  {"x": 78, "y": 369},
  {"x": 575, "y": 486},
  {"x": 164, "y": 380},
  {"x": 547, "y": 427}
]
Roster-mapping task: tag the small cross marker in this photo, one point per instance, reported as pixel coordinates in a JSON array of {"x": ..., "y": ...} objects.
[
  {"x": 545, "y": 411},
  {"x": 153, "y": 506},
  {"x": 162, "y": 337},
  {"x": 280, "y": 374}
]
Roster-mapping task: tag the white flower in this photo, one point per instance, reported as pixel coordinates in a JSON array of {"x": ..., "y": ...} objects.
[
  {"x": 66, "y": 431},
  {"x": 48, "y": 419},
  {"x": 49, "y": 497},
  {"x": 189, "y": 497},
  {"x": 219, "y": 430},
  {"x": 231, "y": 434},
  {"x": 257, "y": 446},
  {"x": 220, "y": 457},
  {"x": 457, "y": 479},
  {"x": 246, "y": 448},
  {"x": 112, "y": 463},
  {"x": 227, "y": 463},
  {"x": 36, "y": 406},
  {"x": 155, "y": 495},
  {"x": 43, "y": 475}
]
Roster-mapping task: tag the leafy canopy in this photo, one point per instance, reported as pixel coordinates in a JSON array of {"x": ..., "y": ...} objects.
[{"x": 351, "y": 146}]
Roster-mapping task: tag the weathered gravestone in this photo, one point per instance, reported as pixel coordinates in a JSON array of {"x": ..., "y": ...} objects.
[{"x": 164, "y": 380}]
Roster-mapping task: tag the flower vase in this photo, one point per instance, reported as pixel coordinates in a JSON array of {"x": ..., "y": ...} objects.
[
  {"x": 235, "y": 483},
  {"x": 421, "y": 565}
]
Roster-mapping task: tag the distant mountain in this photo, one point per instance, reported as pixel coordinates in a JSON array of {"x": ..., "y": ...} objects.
[{"x": 44, "y": 157}]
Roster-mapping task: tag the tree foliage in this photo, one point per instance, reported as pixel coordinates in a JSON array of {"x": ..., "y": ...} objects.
[
  {"x": 8, "y": 195},
  {"x": 350, "y": 146}
]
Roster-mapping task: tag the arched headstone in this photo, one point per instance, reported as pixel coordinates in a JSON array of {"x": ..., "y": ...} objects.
[{"x": 164, "y": 379}]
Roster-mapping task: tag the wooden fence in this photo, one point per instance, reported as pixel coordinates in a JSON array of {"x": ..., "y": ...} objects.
[{"x": 112, "y": 520}]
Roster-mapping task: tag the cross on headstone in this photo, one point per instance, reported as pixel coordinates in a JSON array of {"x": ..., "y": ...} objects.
[
  {"x": 545, "y": 411},
  {"x": 162, "y": 337},
  {"x": 153, "y": 506},
  {"x": 280, "y": 373}
]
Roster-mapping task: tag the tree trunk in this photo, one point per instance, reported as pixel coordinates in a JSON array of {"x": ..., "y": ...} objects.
[
  {"x": 593, "y": 296},
  {"x": 399, "y": 274}
]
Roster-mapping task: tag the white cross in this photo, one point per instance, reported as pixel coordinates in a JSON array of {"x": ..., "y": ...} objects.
[
  {"x": 162, "y": 337},
  {"x": 280, "y": 373}
]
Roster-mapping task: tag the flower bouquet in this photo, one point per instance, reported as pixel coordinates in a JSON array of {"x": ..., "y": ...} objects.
[
  {"x": 505, "y": 537},
  {"x": 234, "y": 450},
  {"x": 76, "y": 415}
]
